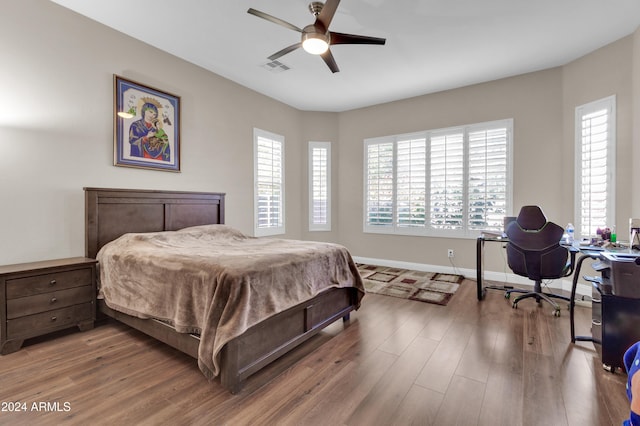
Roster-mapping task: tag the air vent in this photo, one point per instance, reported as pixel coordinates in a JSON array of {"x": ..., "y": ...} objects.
[{"x": 275, "y": 66}]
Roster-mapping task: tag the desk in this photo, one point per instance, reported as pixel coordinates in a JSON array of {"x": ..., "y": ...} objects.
[
  {"x": 480, "y": 264},
  {"x": 587, "y": 251}
]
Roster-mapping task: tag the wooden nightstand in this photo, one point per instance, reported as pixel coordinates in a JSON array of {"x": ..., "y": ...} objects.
[{"x": 41, "y": 297}]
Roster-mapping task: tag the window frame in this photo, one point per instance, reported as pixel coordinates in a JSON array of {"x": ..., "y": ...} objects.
[
  {"x": 608, "y": 103},
  {"x": 313, "y": 226},
  {"x": 427, "y": 135},
  {"x": 261, "y": 231}
]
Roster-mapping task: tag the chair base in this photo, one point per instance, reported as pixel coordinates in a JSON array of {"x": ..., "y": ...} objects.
[{"x": 538, "y": 295}]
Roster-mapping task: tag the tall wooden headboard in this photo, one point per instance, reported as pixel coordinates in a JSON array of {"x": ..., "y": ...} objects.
[{"x": 110, "y": 213}]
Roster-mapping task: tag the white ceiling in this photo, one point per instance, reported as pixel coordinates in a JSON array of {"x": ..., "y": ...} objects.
[{"x": 432, "y": 45}]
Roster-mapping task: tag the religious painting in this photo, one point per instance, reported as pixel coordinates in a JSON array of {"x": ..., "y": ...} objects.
[{"x": 146, "y": 127}]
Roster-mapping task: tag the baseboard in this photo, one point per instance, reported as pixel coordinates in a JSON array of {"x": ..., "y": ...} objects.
[{"x": 583, "y": 291}]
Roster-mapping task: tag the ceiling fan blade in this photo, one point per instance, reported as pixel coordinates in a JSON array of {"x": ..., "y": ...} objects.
[
  {"x": 341, "y": 38},
  {"x": 273, "y": 19},
  {"x": 284, "y": 51},
  {"x": 328, "y": 10},
  {"x": 330, "y": 61}
]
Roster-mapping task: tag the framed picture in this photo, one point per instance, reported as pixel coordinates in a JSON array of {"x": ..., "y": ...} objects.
[{"x": 146, "y": 127}]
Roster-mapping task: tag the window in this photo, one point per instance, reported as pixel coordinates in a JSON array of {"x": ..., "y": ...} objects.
[
  {"x": 320, "y": 186},
  {"x": 595, "y": 164},
  {"x": 489, "y": 177},
  {"x": 268, "y": 155},
  {"x": 447, "y": 182},
  {"x": 379, "y": 185}
]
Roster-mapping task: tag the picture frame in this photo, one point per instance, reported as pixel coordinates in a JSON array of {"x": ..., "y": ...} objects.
[{"x": 146, "y": 127}]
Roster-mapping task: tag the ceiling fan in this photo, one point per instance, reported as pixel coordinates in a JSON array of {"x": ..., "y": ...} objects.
[{"x": 316, "y": 38}]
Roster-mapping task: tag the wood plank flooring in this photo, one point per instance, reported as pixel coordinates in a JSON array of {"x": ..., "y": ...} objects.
[{"x": 397, "y": 362}]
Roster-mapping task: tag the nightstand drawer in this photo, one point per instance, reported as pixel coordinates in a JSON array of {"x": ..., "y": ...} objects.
[
  {"x": 34, "y": 325},
  {"x": 36, "y": 284},
  {"x": 24, "y": 306}
]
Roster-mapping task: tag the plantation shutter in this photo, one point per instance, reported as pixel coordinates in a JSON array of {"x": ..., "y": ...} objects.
[
  {"x": 447, "y": 181},
  {"x": 320, "y": 172},
  {"x": 452, "y": 182},
  {"x": 269, "y": 185},
  {"x": 411, "y": 186},
  {"x": 488, "y": 181},
  {"x": 379, "y": 185},
  {"x": 595, "y": 168}
]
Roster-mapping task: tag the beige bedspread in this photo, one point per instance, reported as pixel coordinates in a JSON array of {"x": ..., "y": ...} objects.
[{"x": 217, "y": 282}]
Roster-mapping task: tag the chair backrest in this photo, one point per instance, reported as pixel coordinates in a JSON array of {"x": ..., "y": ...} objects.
[{"x": 534, "y": 249}]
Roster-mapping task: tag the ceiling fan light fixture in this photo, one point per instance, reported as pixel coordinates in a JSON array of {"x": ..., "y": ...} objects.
[
  {"x": 316, "y": 38},
  {"x": 315, "y": 43}
]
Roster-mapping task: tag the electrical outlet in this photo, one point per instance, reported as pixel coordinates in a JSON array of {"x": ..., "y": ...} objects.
[{"x": 449, "y": 252}]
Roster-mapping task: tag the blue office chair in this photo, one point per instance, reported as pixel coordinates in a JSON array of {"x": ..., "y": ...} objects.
[{"x": 534, "y": 251}]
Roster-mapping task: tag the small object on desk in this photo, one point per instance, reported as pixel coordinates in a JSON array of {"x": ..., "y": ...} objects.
[
  {"x": 506, "y": 221},
  {"x": 591, "y": 244},
  {"x": 634, "y": 236},
  {"x": 569, "y": 231}
]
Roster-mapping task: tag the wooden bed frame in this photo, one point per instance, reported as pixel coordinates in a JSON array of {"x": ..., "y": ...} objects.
[{"x": 110, "y": 213}]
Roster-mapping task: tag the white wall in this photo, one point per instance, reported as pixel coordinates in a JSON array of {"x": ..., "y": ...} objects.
[
  {"x": 56, "y": 129},
  {"x": 56, "y": 136}
]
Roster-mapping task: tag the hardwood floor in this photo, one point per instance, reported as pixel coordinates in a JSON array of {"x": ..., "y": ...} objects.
[{"x": 397, "y": 362}]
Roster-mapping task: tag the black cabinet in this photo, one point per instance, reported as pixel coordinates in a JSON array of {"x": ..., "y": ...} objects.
[
  {"x": 615, "y": 325},
  {"x": 615, "y": 320}
]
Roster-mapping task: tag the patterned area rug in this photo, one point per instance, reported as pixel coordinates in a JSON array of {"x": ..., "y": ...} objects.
[{"x": 429, "y": 287}]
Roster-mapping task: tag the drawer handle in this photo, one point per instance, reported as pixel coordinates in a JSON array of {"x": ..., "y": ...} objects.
[
  {"x": 53, "y": 319},
  {"x": 596, "y": 322},
  {"x": 54, "y": 300},
  {"x": 52, "y": 282}
]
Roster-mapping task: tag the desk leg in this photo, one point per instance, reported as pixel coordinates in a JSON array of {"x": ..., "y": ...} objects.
[
  {"x": 480, "y": 269},
  {"x": 572, "y": 302},
  {"x": 479, "y": 265}
]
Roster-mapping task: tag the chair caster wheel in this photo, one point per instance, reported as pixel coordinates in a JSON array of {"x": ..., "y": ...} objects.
[
  {"x": 556, "y": 313},
  {"x": 507, "y": 295},
  {"x": 609, "y": 368},
  {"x": 514, "y": 305}
]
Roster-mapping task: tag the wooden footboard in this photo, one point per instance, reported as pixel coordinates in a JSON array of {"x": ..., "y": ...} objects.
[
  {"x": 269, "y": 340},
  {"x": 261, "y": 344}
]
